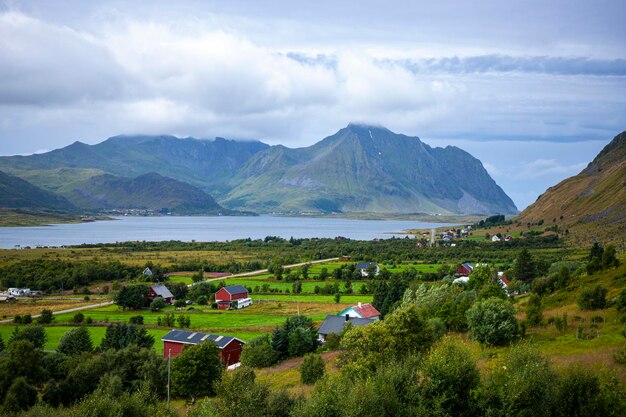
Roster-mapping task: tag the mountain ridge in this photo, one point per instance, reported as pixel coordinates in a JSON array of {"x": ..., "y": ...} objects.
[{"x": 360, "y": 168}]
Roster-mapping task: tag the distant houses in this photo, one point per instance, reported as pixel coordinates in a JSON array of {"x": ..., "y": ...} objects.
[
  {"x": 364, "y": 266},
  {"x": 160, "y": 290},
  {"x": 335, "y": 324},
  {"x": 147, "y": 272},
  {"x": 232, "y": 296},
  {"x": 361, "y": 311},
  {"x": 176, "y": 340}
]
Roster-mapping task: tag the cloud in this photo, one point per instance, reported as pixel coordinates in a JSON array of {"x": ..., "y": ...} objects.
[
  {"x": 547, "y": 167},
  {"x": 497, "y": 63}
]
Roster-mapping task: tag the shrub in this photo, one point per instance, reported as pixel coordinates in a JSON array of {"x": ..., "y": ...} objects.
[
  {"x": 136, "y": 320},
  {"x": 76, "y": 341},
  {"x": 202, "y": 300},
  {"x": 259, "y": 353},
  {"x": 45, "y": 317},
  {"x": 312, "y": 368},
  {"x": 621, "y": 301},
  {"x": 492, "y": 322},
  {"x": 157, "y": 304},
  {"x": 534, "y": 312},
  {"x": 592, "y": 298},
  {"x": 20, "y": 396},
  {"x": 78, "y": 318},
  {"x": 34, "y": 334}
]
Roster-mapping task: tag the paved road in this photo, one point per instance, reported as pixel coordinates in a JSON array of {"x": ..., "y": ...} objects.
[
  {"x": 263, "y": 271},
  {"x": 244, "y": 274},
  {"x": 69, "y": 310}
]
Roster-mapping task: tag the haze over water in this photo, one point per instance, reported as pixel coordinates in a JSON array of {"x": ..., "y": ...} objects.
[{"x": 203, "y": 229}]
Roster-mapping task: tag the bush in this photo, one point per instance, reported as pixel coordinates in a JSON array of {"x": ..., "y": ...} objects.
[
  {"x": 45, "y": 317},
  {"x": 592, "y": 298},
  {"x": 157, "y": 304},
  {"x": 34, "y": 334},
  {"x": 78, "y": 318},
  {"x": 21, "y": 396},
  {"x": 76, "y": 341},
  {"x": 534, "y": 312},
  {"x": 312, "y": 368},
  {"x": 621, "y": 302},
  {"x": 259, "y": 353},
  {"x": 203, "y": 300},
  {"x": 492, "y": 322},
  {"x": 136, "y": 320}
]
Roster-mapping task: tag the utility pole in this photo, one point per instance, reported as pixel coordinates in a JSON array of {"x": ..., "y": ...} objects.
[{"x": 169, "y": 367}]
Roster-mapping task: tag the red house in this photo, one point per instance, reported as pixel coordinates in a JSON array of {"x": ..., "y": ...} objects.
[
  {"x": 226, "y": 295},
  {"x": 465, "y": 269},
  {"x": 175, "y": 341},
  {"x": 160, "y": 290}
]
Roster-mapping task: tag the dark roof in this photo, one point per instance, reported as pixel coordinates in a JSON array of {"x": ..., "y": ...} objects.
[
  {"x": 193, "y": 338},
  {"x": 365, "y": 265},
  {"x": 335, "y": 324},
  {"x": 235, "y": 289},
  {"x": 162, "y": 291}
]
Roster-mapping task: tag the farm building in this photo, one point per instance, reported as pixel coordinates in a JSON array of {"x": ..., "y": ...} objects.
[
  {"x": 335, "y": 324},
  {"x": 160, "y": 290},
  {"x": 225, "y": 296},
  {"x": 464, "y": 269},
  {"x": 230, "y": 347},
  {"x": 361, "y": 311},
  {"x": 364, "y": 265}
]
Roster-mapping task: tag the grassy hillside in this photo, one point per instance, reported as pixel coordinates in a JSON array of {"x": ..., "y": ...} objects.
[
  {"x": 591, "y": 205},
  {"x": 16, "y": 193}
]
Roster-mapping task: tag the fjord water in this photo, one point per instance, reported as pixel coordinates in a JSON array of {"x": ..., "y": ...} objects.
[{"x": 203, "y": 229}]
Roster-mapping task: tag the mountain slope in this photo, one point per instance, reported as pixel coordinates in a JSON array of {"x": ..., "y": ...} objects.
[
  {"x": 149, "y": 191},
  {"x": 207, "y": 164},
  {"x": 366, "y": 168},
  {"x": 593, "y": 203},
  {"x": 17, "y": 193}
]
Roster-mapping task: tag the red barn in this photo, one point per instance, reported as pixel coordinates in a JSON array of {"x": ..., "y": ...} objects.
[
  {"x": 160, "y": 290},
  {"x": 226, "y": 295},
  {"x": 230, "y": 347},
  {"x": 465, "y": 269}
]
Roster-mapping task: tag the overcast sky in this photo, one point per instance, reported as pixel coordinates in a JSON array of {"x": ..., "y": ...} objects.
[{"x": 534, "y": 89}]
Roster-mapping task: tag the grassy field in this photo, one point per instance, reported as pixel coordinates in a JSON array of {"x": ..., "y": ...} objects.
[{"x": 308, "y": 286}]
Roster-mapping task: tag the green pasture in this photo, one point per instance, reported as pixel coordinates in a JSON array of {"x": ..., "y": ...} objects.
[
  {"x": 313, "y": 298},
  {"x": 282, "y": 286}
]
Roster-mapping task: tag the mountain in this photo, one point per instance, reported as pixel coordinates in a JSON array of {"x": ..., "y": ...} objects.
[
  {"x": 590, "y": 205},
  {"x": 367, "y": 169},
  {"x": 207, "y": 164},
  {"x": 16, "y": 193},
  {"x": 358, "y": 169},
  {"x": 149, "y": 191}
]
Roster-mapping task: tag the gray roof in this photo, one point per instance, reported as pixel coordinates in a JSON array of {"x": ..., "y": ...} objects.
[
  {"x": 162, "y": 291},
  {"x": 335, "y": 324},
  {"x": 235, "y": 289},
  {"x": 193, "y": 338},
  {"x": 365, "y": 265}
]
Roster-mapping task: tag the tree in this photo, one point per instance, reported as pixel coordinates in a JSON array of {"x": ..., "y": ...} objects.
[
  {"x": 524, "y": 385},
  {"x": 120, "y": 335},
  {"x": 534, "y": 311},
  {"x": 449, "y": 376},
  {"x": 45, "y": 317},
  {"x": 78, "y": 318},
  {"x": 2, "y": 345},
  {"x": 492, "y": 322},
  {"x": 20, "y": 396},
  {"x": 259, "y": 353},
  {"x": 481, "y": 275},
  {"x": 524, "y": 269},
  {"x": 179, "y": 304},
  {"x": 198, "y": 276},
  {"x": 609, "y": 260},
  {"x": 295, "y": 337},
  {"x": 132, "y": 296},
  {"x": 21, "y": 358},
  {"x": 34, "y": 334},
  {"x": 196, "y": 369},
  {"x": 157, "y": 304},
  {"x": 312, "y": 368},
  {"x": 337, "y": 298},
  {"x": 75, "y": 341},
  {"x": 592, "y": 299}
]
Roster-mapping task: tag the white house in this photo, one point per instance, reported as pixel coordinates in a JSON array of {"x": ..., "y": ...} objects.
[
  {"x": 495, "y": 238},
  {"x": 363, "y": 266}
]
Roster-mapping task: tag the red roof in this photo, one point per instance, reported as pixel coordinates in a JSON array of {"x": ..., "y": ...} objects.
[
  {"x": 367, "y": 311},
  {"x": 505, "y": 280}
]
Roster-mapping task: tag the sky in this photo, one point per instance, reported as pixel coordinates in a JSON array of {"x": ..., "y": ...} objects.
[{"x": 534, "y": 89}]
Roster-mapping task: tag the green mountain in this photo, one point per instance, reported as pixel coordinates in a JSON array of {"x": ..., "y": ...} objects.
[
  {"x": 591, "y": 206},
  {"x": 359, "y": 169},
  {"x": 149, "y": 191},
  {"x": 367, "y": 169},
  {"x": 16, "y": 193},
  {"x": 207, "y": 164}
]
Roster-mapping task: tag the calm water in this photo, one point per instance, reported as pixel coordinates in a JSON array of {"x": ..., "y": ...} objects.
[{"x": 202, "y": 229}]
